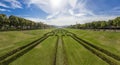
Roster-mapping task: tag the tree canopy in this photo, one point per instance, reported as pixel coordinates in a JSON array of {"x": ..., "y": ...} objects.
[
  {"x": 14, "y": 22},
  {"x": 110, "y": 24}
]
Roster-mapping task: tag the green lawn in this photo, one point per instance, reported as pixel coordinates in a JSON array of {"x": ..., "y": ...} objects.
[
  {"x": 105, "y": 39},
  {"x": 61, "y": 56},
  {"x": 43, "y": 54},
  {"x": 78, "y": 55},
  {"x": 13, "y": 39},
  {"x": 68, "y": 53}
]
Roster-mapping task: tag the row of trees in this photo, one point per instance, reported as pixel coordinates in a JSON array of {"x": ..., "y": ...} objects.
[
  {"x": 13, "y": 22},
  {"x": 111, "y": 24}
]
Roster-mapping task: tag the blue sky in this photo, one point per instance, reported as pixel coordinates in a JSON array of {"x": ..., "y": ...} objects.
[{"x": 62, "y": 12}]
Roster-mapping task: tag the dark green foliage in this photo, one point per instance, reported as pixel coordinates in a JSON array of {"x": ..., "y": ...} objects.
[
  {"x": 111, "y": 24},
  {"x": 13, "y": 22}
]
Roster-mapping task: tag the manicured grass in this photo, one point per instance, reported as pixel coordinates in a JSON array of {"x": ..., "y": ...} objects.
[
  {"x": 68, "y": 53},
  {"x": 60, "y": 58},
  {"x": 12, "y": 39},
  {"x": 43, "y": 54},
  {"x": 78, "y": 55},
  {"x": 105, "y": 39}
]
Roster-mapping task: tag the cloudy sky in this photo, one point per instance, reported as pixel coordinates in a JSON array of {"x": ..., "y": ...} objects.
[{"x": 62, "y": 12}]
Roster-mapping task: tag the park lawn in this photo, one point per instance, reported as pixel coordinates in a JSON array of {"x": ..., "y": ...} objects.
[
  {"x": 61, "y": 56},
  {"x": 43, "y": 54},
  {"x": 105, "y": 39},
  {"x": 78, "y": 55},
  {"x": 12, "y": 39}
]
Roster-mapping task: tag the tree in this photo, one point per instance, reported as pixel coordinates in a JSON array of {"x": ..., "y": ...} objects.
[
  {"x": 103, "y": 24},
  {"x": 3, "y": 21},
  {"x": 14, "y": 21}
]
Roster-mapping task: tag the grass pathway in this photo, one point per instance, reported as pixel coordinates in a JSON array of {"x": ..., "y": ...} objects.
[
  {"x": 41, "y": 55},
  {"x": 13, "y": 39},
  {"x": 60, "y": 57},
  {"x": 78, "y": 55}
]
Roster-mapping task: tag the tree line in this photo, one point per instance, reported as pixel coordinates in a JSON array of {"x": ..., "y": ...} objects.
[
  {"x": 110, "y": 24},
  {"x": 13, "y": 22}
]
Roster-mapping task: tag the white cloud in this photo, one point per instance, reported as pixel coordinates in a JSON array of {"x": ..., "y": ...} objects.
[
  {"x": 78, "y": 15},
  {"x": 4, "y": 5},
  {"x": 66, "y": 12},
  {"x": 73, "y": 3},
  {"x": 83, "y": 20},
  {"x": 57, "y": 21},
  {"x": 36, "y": 19},
  {"x": 49, "y": 6},
  {"x": 4, "y": 10},
  {"x": 70, "y": 20},
  {"x": 61, "y": 6},
  {"x": 52, "y": 15},
  {"x": 14, "y": 3}
]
